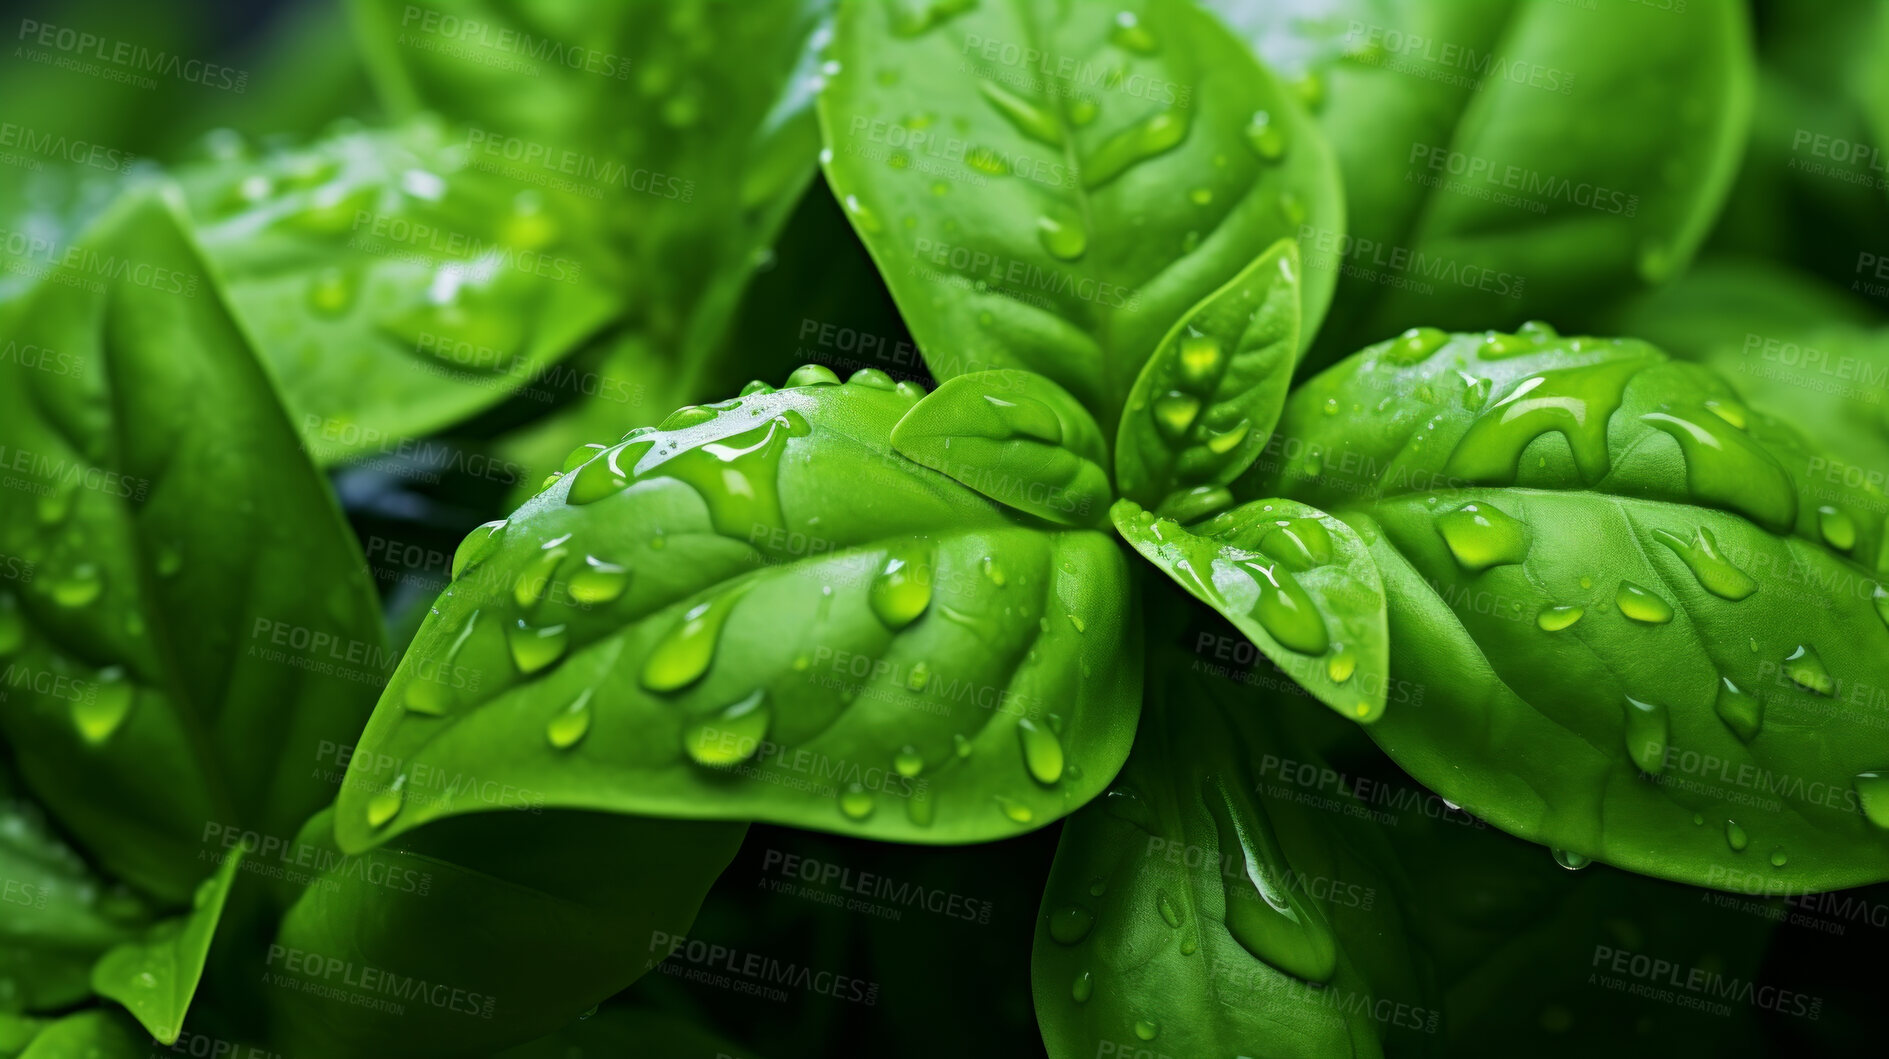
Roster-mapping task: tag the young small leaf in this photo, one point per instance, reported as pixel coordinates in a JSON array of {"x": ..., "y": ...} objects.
[
  {"x": 1016, "y": 437},
  {"x": 67, "y": 915},
  {"x": 156, "y": 976},
  {"x": 1205, "y": 403},
  {"x": 1298, "y": 582}
]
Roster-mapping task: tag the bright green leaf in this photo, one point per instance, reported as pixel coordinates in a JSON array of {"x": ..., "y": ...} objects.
[
  {"x": 92, "y": 1034},
  {"x": 57, "y": 918},
  {"x": 1639, "y": 621},
  {"x": 199, "y": 619},
  {"x": 1299, "y": 583},
  {"x": 156, "y": 976},
  {"x": 1025, "y": 217},
  {"x": 764, "y": 612},
  {"x": 1206, "y": 402},
  {"x": 1018, "y": 438}
]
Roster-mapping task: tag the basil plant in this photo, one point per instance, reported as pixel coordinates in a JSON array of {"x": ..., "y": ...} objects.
[{"x": 1166, "y": 475}]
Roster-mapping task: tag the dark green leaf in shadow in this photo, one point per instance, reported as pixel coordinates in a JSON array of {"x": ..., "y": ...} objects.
[
  {"x": 198, "y": 620},
  {"x": 1205, "y": 403},
  {"x": 483, "y": 931},
  {"x": 1297, "y": 582},
  {"x": 156, "y": 976},
  {"x": 56, "y": 918},
  {"x": 1015, "y": 437},
  {"x": 1506, "y": 159},
  {"x": 1191, "y": 912}
]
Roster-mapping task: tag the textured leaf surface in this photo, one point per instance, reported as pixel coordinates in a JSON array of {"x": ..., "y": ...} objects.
[
  {"x": 1646, "y": 625},
  {"x": 1015, "y": 437},
  {"x": 1059, "y": 222},
  {"x": 1297, "y": 582},
  {"x": 1206, "y": 402},
  {"x": 197, "y": 620},
  {"x": 764, "y": 612}
]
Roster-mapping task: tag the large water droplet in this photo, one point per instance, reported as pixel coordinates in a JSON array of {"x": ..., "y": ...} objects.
[
  {"x": 1415, "y": 345},
  {"x": 1028, "y": 118},
  {"x": 1064, "y": 239},
  {"x": 1741, "y": 711},
  {"x": 534, "y": 648},
  {"x": 685, "y": 651},
  {"x": 1042, "y": 751},
  {"x": 477, "y": 545},
  {"x": 1480, "y": 536},
  {"x": 1642, "y": 605},
  {"x": 1170, "y": 912},
  {"x": 598, "y": 582},
  {"x": 1264, "y": 913},
  {"x": 856, "y": 802},
  {"x": 383, "y": 806},
  {"x": 901, "y": 590},
  {"x": 1083, "y": 987},
  {"x": 1838, "y": 529},
  {"x": 1266, "y": 136},
  {"x": 79, "y": 587},
  {"x": 1806, "y": 669},
  {"x": 1571, "y": 860},
  {"x": 1558, "y": 617},
  {"x": 1648, "y": 731},
  {"x": 1070, "y": 924},
  {"x": 1152, "y": 136},
  {"x": 534, "y": 581},
  {"x": 568, "y": 726},
  {"x": 103, "y": 705},
  {"x": 732, "y": 734},
  {"x": 1129, "y": 34},
  {"x": 1715, "y": 572},
  {"x": 1735, "y": 836},
  {"x": 1286, "y": 611},
  {"x": 1872, "y": 793}
]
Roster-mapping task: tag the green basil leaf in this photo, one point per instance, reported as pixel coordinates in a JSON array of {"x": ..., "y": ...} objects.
[
  {"x": 764, "y": 612},
  {"x": 18, "y": 1031},
  {"x": 1060, "y": 213},
  {"x": 58, "y": 916},
  {"x": 92, "y": 1034},
  {"x": 1189, "y": 914},
  {"x": 1299, "y": 583},
  {"x": 198, "y": 616},
  {"x": 396, "y": 282},
  {"x": 156, "y": 976},
  {"x": 482, "y": 931},
  {"x": 1642, "y": 625},
  {"x": 1505, "y": 159},
  {"x": 695, "y": 160},
  {"x": 1015, "y": 437},
  {"x": 1205, "y": 403},
  {"x": 1792, "y": 346}
]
